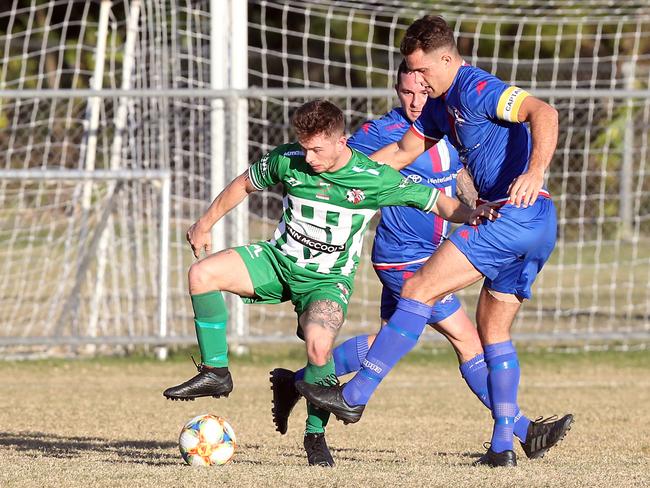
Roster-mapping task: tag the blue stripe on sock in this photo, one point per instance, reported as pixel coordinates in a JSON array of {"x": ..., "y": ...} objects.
[
  {"x": 369, "y": 375},
  {"x": 415, "y": 307},
  {"x": 513, "y": 363},
  {"x": 504, "y": 420},
  {"x": 402, "y": 332}
]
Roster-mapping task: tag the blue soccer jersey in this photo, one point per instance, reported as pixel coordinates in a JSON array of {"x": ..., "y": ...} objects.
[
  {"x": 479, "y": 116},
  {"x": 406, "y": 235}
]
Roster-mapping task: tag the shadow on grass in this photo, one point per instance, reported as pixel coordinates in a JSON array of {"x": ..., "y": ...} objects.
[{"x": 40, "y": 444}]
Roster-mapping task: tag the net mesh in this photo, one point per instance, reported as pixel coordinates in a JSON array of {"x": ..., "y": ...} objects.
[{"x": 594, "y": 287}]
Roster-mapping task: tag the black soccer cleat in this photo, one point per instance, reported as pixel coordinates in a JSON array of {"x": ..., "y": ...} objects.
[
  {"x": 318, "y": 454},
  {"x": 285, "y": 397},
  {"x": 543, "y": 434},
  {"x": 207, "y": 383},
  {"x": 330, "y": 398},
  {"x": 497, "y": 459}
]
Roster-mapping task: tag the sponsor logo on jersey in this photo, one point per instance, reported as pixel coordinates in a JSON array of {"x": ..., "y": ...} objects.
[
  {"x": 294, "y": 153},
  {"x": 447, "y": 298},
  {"x": 313, "y": 243},
  {"x": 293, "y": 182},
  {"x": 366, "y": 127},
  {"x": 355, "y": 196},
  {"x": 440, "y": 180},
  {"x": 414, "y": 178},
  {"x": 480, "y": 86}
]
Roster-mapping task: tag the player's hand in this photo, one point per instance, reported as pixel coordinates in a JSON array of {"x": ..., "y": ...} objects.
[
  {"x": 199, "y": 238},
  {"x": 525, "y": 188},
  {"x": 486, "y": 211}
]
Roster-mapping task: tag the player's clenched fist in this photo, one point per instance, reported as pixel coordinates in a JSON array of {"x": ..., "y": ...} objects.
[
  {"x": 486, "y": 211},
  {"x": 199, "y": 238}
]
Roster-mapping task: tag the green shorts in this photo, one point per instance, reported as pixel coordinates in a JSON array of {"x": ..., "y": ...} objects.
[{"x": 277, "y": 279}]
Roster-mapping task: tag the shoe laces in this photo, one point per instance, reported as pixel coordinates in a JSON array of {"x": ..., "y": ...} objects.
[
  {"x": 547, "y": 420},
  {"x": 198, "y": 366},
  {"x": 543, "y": 425}
]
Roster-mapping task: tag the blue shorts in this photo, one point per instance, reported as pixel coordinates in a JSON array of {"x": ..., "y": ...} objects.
[
  {"x": 393, "y": 279},
  {"x": 512, "y": 250}
]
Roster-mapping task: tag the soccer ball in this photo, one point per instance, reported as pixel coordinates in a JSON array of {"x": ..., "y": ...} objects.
[{"x": 207, "y": 440}]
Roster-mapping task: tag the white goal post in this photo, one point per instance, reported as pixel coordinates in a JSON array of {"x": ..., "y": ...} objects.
[{"x": 200, "y": 89}]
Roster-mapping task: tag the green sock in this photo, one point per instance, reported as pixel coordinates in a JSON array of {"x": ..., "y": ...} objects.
[
  {"x": 210, "y": 316},
  {"x": 317, "y": 418}
]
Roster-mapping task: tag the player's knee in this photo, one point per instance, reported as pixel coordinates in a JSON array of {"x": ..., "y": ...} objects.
[
  {"x": 201, "y": 278},
  {"x": 411, "y": 287},
  {"x": 318, "y": 353}
]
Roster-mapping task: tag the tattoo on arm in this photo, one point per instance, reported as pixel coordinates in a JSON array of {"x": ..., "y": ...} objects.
[
  {"x": 324, "y": 313},
  {"x": 465, "y": 190}
]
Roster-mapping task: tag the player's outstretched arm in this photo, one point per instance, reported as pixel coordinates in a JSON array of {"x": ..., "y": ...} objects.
[
  {"x": 543, "y": 121},
  {"x": 198, "y": 234},
  {"x": 403, "y": 152},
  {"x": 455, "y": 211}
]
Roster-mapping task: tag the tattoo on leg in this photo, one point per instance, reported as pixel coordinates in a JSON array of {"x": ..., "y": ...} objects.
[{"x": 326, "y": 314}]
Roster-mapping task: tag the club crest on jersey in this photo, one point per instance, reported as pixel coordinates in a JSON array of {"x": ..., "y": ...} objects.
[
  {"x": 355, "y": 196},
  {"x": 455, "y": 113}
]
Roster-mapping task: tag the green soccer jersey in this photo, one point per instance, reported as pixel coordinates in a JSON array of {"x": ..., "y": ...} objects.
[{"x": 326, "y": 215}]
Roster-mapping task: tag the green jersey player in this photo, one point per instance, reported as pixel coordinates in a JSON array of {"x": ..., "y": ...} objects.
[{"x": 330, "y": 193}]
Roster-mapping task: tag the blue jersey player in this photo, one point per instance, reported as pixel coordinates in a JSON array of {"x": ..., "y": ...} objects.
[
  {"x": 404, "y": 240},
  {"x": 484, "y": 118}
]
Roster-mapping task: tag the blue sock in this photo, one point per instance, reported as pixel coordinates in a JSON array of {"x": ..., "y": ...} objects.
[
  {"x": 347, "y": 356},
  {"x": 475, "y": 374},
  {"x": 394, "y": 340},
  {"x": 503, "y": 381}
]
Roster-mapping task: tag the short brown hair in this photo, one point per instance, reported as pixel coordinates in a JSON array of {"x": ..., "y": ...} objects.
[
  {"x": 402, "y": 69},
  {"x": 428, "y": 34},
  {"x": 318, "y": 117}
]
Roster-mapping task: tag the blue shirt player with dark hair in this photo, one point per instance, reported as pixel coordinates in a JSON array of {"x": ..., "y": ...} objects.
[
  {"x": 404, "y": 240},
  {"x": 484, "y": 119}
]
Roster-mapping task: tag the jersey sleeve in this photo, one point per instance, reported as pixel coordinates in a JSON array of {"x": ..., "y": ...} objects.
[
  {"x": 494, "y": 98},
  {"x": 403, "y": 192},
  {"x": 425, "y": 125},
  {"x": 269, "y": 170},
  {"x": 367, "y": 139}
]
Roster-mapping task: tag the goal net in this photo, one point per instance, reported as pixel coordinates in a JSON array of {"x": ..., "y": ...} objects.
[{"x": 150, "y": 65}]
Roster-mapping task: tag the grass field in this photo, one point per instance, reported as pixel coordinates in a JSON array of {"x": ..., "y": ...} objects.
[{"x": 104, "y": 422}]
